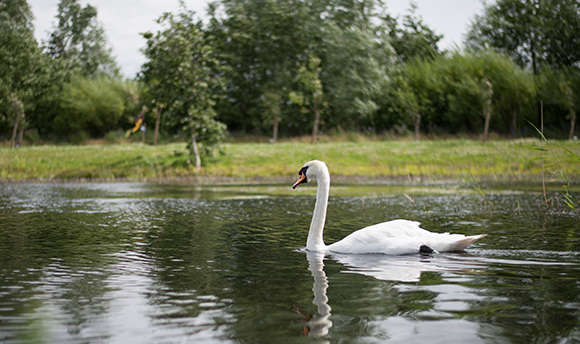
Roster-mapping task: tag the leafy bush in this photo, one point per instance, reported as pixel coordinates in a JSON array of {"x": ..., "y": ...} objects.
[
  {"x": 94, "y": 106},
  {"x": 449, "y": 92}
]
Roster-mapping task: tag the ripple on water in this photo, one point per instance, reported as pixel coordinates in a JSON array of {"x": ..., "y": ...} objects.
[{"x": 141, "y": 263}]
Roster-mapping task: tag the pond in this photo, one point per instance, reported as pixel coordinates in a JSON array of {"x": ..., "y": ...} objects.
[{"x": 153, "y": 263}]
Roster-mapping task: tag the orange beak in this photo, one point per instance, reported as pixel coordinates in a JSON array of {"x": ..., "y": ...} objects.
[{"x": 301, "y": 179}]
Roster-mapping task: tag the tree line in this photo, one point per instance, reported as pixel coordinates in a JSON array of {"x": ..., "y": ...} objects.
[{"x": 287, "y": 67}]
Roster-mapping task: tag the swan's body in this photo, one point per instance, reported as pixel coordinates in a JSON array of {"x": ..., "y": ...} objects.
[{"x": 393, "y": 237}]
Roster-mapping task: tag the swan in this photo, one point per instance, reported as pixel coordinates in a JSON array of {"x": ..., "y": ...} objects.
[{"x": 396, "y": 237}]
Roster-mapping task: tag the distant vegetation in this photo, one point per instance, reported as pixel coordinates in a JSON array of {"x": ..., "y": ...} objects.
[{"x": 290, "y": 68}]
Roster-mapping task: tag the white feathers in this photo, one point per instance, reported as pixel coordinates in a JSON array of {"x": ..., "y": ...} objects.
[{"x": 395, "y": 237}]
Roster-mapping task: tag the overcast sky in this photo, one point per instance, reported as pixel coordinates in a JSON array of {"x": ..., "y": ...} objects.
[{"x": 123, "y": 20}]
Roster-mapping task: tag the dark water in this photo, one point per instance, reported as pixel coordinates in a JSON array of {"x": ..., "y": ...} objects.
[{"x": 143, "y": 263}]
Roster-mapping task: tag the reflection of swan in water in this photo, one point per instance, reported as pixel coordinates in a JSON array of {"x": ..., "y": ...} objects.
[
  {"x": 387, "y": 268},
  {"x": 382, "y": 267},
  {"x": 318, "y": 325},
  {"x": 379, "y": 266}
]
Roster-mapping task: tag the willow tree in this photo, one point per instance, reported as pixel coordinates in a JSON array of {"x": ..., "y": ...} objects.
[{"x": 183, "y": 73}]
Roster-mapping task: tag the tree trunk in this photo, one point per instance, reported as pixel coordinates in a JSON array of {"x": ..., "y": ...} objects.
[
  {"x": 14, "y": 132},
  {"x": 316, "y": 123},
  {"x": 572, "y": 123},
  {"x": 486, "y": 124},
  {"x": 488, "y": 93},
  {"x": 195, "y": 153},
  {"x": 157, "y": 122},
  {"x": 18, "y": 109},
  {"x": 275, "y": 122},
  {"x": 542, "y": 117},
  {"x": 567, "y": 90},
  {"x": 417, "y": 126},
  {"x": 514, "y": 123},
  {"x": 20, "y": 133}
]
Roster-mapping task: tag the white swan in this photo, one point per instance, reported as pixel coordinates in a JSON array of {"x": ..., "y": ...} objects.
[{"x": 393, "y": 237}]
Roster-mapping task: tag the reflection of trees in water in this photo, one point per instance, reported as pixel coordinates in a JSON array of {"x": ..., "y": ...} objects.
[
  {"x": 528, "y": 298},
  {"x": 57, "y": 265},
  {"x": 220, "y": 262},
  {"x": 188, "y": 288}
]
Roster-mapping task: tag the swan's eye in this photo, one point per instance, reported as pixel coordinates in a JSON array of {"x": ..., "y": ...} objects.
[{"x": 303, "y": 170}]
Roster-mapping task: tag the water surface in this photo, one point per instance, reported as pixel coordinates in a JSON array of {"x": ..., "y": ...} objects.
[{"x": 148, "y": 263}]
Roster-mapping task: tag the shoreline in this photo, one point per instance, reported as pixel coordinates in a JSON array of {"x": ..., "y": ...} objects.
[
  {"x": 367, "y": 162},
  {"x": 282, "y": 180}
]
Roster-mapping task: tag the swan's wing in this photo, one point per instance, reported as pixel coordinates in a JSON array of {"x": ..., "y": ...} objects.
[{"x": 399, "y": 237}]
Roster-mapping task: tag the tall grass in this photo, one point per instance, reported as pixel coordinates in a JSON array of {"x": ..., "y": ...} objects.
[{"x": 554, "y": 167}]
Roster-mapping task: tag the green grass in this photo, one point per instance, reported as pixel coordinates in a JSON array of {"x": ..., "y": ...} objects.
[{"x": 432, "y": 159}]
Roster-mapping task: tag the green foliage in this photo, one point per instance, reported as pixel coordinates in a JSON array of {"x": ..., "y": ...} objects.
[
  {"x": 268, "y": 44},
  {"x": 78, "y": 41},
  {"x": 534, "y": 32},
  {"x": 263, "y": 43},
  {"x": 354, "y": 75},
  {"x": 450, "y": 91},
  {"x": 93, "y": 107},
  {"x": 23, "y": 69},
  {"x": 413, "y": 39},
  {"x": 559, "y": 91},
  {"x": 183, "y": 73},
  {"x": 311, "y": 94},
  {"x": 260, "y": 65}
]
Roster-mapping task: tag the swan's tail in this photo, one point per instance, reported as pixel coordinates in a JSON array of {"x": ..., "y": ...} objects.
[{"x": 462, "y": 244}]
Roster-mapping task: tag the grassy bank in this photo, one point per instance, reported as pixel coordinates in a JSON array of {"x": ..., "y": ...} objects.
[{"x": 432, "y": 160}]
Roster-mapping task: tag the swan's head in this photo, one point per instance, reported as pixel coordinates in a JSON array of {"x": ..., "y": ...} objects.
[{"x": 311, "y": 170}]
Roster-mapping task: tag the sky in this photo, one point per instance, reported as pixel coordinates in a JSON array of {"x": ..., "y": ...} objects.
[{"x": 124, "y": 20}]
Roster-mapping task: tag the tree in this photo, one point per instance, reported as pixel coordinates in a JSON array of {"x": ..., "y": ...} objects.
[
  {"x": 183, "y": 73},
  {"x": 266, "y": 42},
  {"x": 78, "y": 41},
  {"x": 272, "y": 99},
  {"x": 414, "y": 39},
  {"x": 559, "y": 91},
  {"x": 569, "y": 96},
  {"x": 486, "y": 95},
  {"x": 355, "y": 69},
  {"x": 348, "y": 14},
  {"x": 411, "y": 105},
  {"x": 23, "y": 66},
  {"x": 263, "y": 43},
  {"x": 311, "y": 96},
  {"x": 157, "y": 108},
  {"x": 533, "y": 32},
  {"x": 465, "y": 92}
]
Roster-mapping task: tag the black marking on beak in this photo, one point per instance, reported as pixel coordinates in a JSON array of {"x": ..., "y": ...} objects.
[{"x": 302, "y": 177}]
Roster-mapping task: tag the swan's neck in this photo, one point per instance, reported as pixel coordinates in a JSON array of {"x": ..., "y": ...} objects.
[{"x": 315, "y": 241}]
